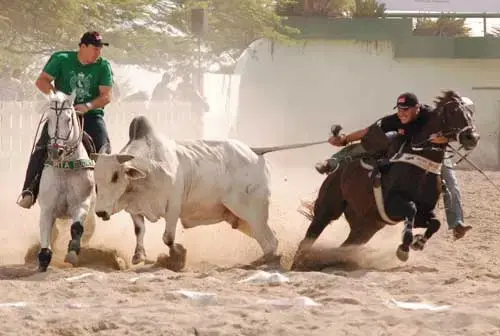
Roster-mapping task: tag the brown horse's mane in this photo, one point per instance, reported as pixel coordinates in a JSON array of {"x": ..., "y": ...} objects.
[{"x": 445, "y": 98}]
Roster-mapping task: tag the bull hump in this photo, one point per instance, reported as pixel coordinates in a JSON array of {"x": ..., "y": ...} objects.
[{"x": 140, "y": 127}]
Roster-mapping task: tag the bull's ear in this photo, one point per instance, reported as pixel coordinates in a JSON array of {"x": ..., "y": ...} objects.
[
  {"x": 94, "y": 156},
  {"x": 134, "y": 173},
  {"x": 122, "y": 158}
]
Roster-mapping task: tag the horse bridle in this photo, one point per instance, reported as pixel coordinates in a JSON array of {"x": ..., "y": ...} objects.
[
  {"x": 67, "y": 148},
  {"x": 454, "y": 133}
]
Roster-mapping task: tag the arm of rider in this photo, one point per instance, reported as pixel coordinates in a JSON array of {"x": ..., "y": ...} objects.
[
  {"x": 344, "y": 140},
  {"x": 101, "y": 101},
  {"x": 44, "y": 83}
]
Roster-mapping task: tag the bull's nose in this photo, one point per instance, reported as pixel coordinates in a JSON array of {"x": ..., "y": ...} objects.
[{"x": 102, "y": 214}]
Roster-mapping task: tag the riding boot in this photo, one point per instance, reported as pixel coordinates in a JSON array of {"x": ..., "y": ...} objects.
[
  {"x": 347, "y": 153},
  {"x": 34, "y": 172}
]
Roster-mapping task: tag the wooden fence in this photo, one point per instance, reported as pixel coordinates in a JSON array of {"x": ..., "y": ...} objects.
[{"x": 19, "y": 122}]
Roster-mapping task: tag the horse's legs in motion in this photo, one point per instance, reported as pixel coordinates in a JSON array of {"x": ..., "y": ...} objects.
[
  {"x": 361, "y": 230},
  {"x": 398, "y": 207},
  {"x": 77, "y": 230},
  {"x": 328, "y": 206},
  {"x": 140, "y": 230},
  {"x": 47, "y": 221}
]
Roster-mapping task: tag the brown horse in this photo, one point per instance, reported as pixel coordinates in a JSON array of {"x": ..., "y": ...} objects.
[{"x": 406, "y": 187}]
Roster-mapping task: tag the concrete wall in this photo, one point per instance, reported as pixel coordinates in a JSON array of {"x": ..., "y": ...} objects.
[{"x": 294, "y": 93}]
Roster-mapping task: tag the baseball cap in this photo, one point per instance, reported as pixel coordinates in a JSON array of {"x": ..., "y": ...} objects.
[
  {"x": 94, "y": 38},
  {"x": 406, "y": 100}
]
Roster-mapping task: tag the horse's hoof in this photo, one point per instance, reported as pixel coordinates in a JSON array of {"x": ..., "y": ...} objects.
[
  {"x": 403, "y": 253},
  {"x": 44, "y": 258},
  {"x": 71, "y": 258},
  {"x": 418, "y": 243},
  {"x": 270, "y": 260},
  {"x": 295, "y": 265}
]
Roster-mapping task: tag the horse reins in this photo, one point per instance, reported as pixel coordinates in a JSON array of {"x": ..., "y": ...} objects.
[
  {"x": 464, "y": 158},
  {"x": 68, "y": 149}
]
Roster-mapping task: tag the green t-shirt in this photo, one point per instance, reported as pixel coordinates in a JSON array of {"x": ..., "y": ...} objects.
[{"x": 69, "y": 74}]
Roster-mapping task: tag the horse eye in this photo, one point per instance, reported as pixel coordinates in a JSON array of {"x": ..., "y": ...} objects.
[{"x": 114, "y": 178}]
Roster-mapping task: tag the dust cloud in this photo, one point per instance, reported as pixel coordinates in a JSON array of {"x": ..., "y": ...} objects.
[{"x": 293, "y": 180}]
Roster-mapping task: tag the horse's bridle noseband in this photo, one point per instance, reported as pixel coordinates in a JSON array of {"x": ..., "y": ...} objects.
[{"x": 67, "y": 148}]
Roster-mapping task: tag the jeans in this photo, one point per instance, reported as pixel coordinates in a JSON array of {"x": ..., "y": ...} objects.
[
  {"x": 452, "y": 198},
  {"x": 95, "y": 127}
]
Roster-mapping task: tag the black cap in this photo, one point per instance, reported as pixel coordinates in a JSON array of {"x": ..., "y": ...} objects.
[
  {"x": 406, "y": 100},
  {"x": 94, "y": 38}
]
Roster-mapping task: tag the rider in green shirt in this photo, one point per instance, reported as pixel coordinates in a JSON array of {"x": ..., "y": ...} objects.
[{"x": 91, "y": 77}]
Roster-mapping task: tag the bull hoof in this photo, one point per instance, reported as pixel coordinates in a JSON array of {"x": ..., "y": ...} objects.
[
  {"x": 138, "y": 257},
  {"x": 177, "y": 259},
  {"x": 267, "y": 262},
  {"x": 418, "y": 243},
  {"x": 71, "y": 258},
  {"x": 403, "y": 253}
]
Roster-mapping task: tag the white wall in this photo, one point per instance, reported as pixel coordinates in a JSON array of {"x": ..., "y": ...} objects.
[{"x": 294, "y": 93}]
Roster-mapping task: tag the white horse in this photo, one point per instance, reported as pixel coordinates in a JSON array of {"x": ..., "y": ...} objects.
[{"x": 67, "y": 187}]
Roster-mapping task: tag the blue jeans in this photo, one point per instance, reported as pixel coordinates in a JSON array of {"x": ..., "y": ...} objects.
[{"x": 452, "y": 198}]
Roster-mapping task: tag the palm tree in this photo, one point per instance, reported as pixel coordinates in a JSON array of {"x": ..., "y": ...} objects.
[
  {"x": 330, "y": 8},
  {"x": 368, "y": 9},
  {"x": 443, "y": 26}
]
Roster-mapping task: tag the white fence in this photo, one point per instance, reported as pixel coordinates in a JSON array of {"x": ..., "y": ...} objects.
[{"x": 19, "y": 121}]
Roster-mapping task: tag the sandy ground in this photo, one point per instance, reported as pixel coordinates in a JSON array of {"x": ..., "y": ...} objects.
[{"x": 459, "y": 280}]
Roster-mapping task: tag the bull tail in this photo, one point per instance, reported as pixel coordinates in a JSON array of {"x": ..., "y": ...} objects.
[{"x": 264, "y": 150}]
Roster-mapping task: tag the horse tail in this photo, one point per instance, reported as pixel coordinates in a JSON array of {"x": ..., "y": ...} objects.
[
  {"x": 330, "y": 190},
  {"x": 306, "y": 209}
]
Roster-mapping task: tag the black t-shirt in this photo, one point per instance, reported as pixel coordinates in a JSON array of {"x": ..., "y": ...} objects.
[{"x": 392, "y": 123}]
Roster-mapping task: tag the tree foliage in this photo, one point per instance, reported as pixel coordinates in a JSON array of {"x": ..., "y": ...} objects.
[
  {"x": 333, "y": 8},
  {"x": 443, "y": 26},
  {"x": 146, "y": 32},
  {"x": 330, "y": 8},
  {"x": 368, "y": 9}
]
